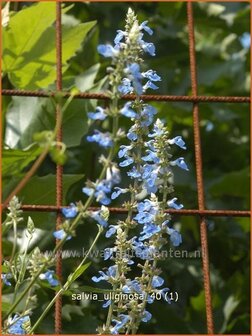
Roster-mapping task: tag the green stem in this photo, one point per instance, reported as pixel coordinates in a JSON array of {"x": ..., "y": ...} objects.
[
  {"x": 22, "y": 269},
  {"x": 67, "y": 284},
  {"x": 14, "y": 242}
]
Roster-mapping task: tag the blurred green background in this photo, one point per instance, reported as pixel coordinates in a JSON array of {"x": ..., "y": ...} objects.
[{"x": 222, "y": 52}]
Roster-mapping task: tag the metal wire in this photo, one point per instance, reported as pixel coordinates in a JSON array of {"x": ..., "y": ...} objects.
[
  {"x": 199, "y": 172},
  {"x": 59, "y": 169},
  {"x": 193, "y": 98},
  {"x": 114, "y": 210}
]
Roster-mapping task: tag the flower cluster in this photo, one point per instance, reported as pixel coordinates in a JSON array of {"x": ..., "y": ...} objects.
[
  {"x": 18, "y": 325},
  {"x": 149, "y": 163}
]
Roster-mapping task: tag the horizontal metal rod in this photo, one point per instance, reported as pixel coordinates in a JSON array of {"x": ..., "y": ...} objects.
[
  {"x": 182, "y": 212},
  {"x": 193, "y": 99}
]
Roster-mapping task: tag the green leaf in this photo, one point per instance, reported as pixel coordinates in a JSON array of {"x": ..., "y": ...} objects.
[
  {"x": 85, "y": 81},
  {"x": 78, "y": 272},
  {"x": 24, "y": 30},
  {"x": 234, "y": 184},
  {"x": 15, "y": 160},
  {"x": 29, "y": 46},
  {"x": 42, "y": 190},
  {"x": 26, "y": 116},
  {"x": 5, "y": 306}
]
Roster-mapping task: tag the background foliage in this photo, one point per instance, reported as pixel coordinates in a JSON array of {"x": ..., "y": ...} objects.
[{"x": 223, "y": 69}]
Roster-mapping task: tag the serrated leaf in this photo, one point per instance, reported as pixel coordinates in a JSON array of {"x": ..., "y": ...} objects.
[{"x": 29, "y": 46}]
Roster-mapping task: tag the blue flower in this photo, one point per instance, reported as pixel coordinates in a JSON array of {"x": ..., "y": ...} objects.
[
  {"x": 70, "y": 212},
  {"x": 134, "y": 173},
  {"x": 148, "y": 231},
  {"x": 157, "y": 129},
  {"x": 107, "y": 50},
  {"x": 152, "y": 76},
  {"x": 105, "y": 186},
  {"x": 119, "y": 323},
  {"x": 180, "y": 162},
  {"x": 120, "y": 35},
  {"x": 178, "y": 141},
  {"x": 123, "y": 151},
  {"x": 146, "y": 212},
  {"x": 143, "y": 26},
  {"x": 17, "y": 328},
  {"x": 127, "y": 111},
  {"x": 111, "y": 273},
  {"x": 157, "y": 281},
  {"x": 151, "y": 157},
  {"x": 172, "y": 204},
  {"x": 125, "y": 87},
  {"x": 112, "y": 230},
  {"x": 101, "y": 193},
  {"x": 61, "y": 234},
  {"x": 147, "y": 47},
  {"x": 147, "y": 114},
  {"x": 88, "y": 191},
  {"x": 118, "y": 192},
  {"x": 175, "y": 237},
  {"x": 150, "y": 177},
  {"x": 96, "y": 216},
  {"x": 131, "y": 287},
  {"x": 146, "y": 316},
  {"x": 150, "y": 85},
  {"x": 103, "y": 139},
  {"x": 134, "y": 70},
  {"x": 132, "y": 135},
  {"x": 126, "y": 162},
  {"x": 108, "y": 252},
  {"x": 49, "y": 276},
  {"x": 5, "y": 278},
  {"x": 98, "y": 115},
  {"x": 106, "y": 304}
]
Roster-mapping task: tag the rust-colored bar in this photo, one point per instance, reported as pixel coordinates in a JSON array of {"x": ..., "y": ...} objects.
[
  {"x": 59, "y": 169},
  {"x": 181, "y": 212},
  {"x": 83, "y": 95},
  {"x": 199, "y": 173}
]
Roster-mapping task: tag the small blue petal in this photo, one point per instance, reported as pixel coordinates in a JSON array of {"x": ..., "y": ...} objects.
[
  {"x": 157, "y": 281},
  {"x": 126, "y": 162},
  {"x": 111, "y": 231},
  {"x": 61, "y": 234},
  {"x": 172, "y": 204},
  {"x": 143, "y": 26},
  {"x": 98, "y": 115},
  {"x": 70, "y": 212},
  {"x": 180, "y": 162},
  {"x": 178, "y": 141},
  {"x": 106, "y": 50},
  {"x": 146, "y": 316}
]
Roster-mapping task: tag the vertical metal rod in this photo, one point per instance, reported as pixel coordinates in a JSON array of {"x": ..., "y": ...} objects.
[
  {"x": 59, "y": 169},
  {"x": 199, "y": 171}
]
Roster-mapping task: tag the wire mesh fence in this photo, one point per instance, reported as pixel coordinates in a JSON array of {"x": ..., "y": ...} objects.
[{"x": 195, "y": 99}]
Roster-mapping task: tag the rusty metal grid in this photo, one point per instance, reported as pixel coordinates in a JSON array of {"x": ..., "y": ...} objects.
[{"x": 195, "y": 99}]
